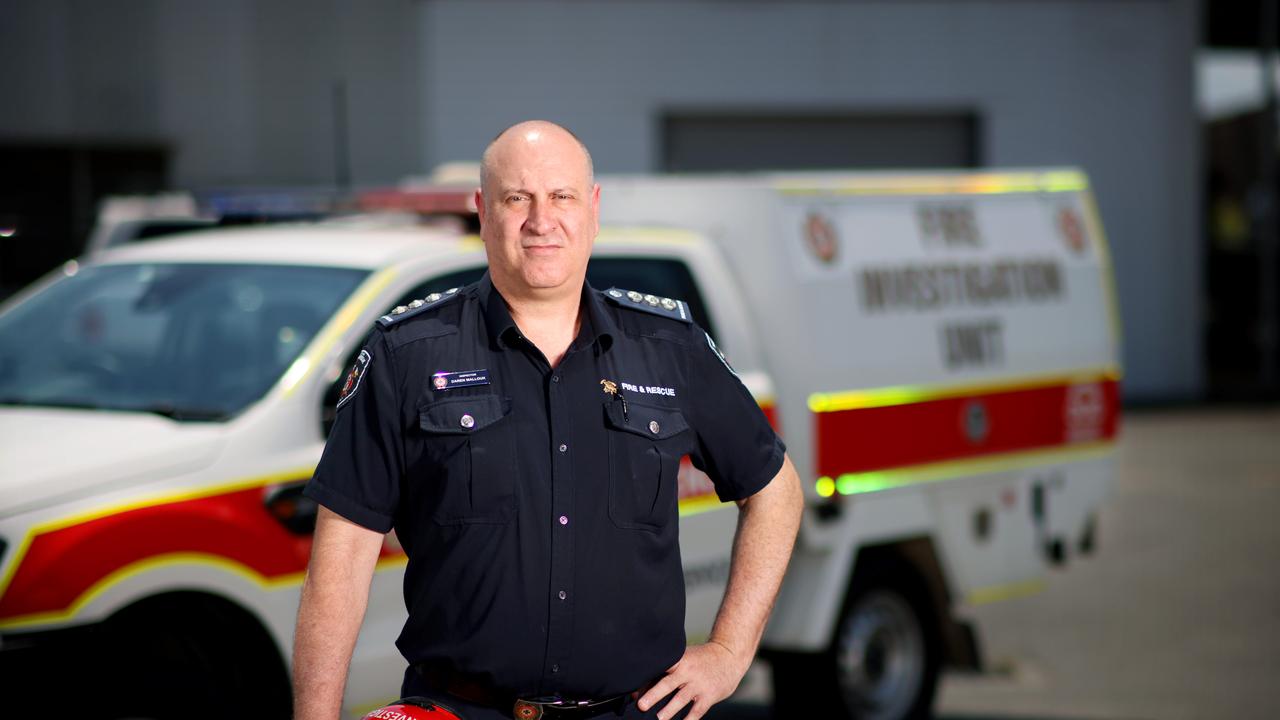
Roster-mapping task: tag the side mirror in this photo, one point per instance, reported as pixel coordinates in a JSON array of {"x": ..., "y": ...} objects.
[{"x": 295, "y": 511}]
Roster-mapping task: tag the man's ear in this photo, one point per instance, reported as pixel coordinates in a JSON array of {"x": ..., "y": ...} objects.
[
  {"x": 480, "y": 205},
  {"x": 595, "y": 206}
]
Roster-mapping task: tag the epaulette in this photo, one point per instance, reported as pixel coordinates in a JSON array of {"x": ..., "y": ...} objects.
[
  {"x": 403, "y": 312},
  {"x": 665, "y": 307}
]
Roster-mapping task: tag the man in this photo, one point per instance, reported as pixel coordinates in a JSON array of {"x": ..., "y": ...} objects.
[{"x": 534, "y": 496}]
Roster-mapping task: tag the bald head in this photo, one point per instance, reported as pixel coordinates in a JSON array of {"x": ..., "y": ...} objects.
[
  {"x": 539, "y": 211},
  {"x": 532, "y": 136}
]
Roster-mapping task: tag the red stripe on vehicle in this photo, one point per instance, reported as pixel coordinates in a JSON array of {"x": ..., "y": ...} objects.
[
  {"x": 62, "y": 564},
  {"x": 879, "y": 438},
  {"x": 771, "y": 414}
]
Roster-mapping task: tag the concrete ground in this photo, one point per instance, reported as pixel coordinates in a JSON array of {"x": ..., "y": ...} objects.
[{"x": 1177, "y": 615}]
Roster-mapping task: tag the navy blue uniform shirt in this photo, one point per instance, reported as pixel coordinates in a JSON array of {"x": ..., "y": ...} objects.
[{"x": 538, "y": 514}]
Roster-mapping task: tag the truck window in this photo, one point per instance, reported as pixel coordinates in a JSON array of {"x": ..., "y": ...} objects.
[
  {"x": 190, "y": 341},
  {"x": 439, "y": 284},
  {"x": 663, "y": 277}
]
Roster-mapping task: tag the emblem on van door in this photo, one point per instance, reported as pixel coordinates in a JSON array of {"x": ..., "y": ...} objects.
[
  {"x": 820, "y": 238},
  {"x": 976, "y": 423},
  {"x": 1085, "y": 412}
]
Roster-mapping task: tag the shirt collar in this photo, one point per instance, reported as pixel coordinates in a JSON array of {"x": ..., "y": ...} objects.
[{"x": 597, "y": 329}]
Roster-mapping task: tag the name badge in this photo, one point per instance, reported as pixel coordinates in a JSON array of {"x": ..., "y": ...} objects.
[{"x": 462, "y": 378}]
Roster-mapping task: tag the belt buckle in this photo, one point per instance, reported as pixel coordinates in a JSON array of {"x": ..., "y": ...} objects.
[{"x": 535, "y": 708}]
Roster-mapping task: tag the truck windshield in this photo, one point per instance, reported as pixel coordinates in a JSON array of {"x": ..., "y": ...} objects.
[{"x": 187, "y": 341}]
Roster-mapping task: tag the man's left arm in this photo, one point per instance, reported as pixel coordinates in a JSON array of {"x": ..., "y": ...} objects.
[{"x": 708, "y": 673}]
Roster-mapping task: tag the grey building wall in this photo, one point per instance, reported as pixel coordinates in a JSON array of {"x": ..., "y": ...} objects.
[
  {"x": 1107, "y": 86},
  {"x": 241, "y": 89}
]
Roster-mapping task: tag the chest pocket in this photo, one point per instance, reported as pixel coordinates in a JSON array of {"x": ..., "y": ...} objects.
[
  {"x": 645, "y": 447},
  {"x": 469, "y": 459}
]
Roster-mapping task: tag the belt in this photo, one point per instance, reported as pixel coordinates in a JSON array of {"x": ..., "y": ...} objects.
[{"x": 475, "y": 690}]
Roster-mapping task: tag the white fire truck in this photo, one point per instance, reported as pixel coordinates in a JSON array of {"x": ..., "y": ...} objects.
[{"x": 940, "y": 353}]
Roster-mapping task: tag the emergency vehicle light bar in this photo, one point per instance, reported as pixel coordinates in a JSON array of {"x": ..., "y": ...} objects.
[
  {"x": 280, "y": 204},
  {"x": 426, "y": 202},
  {"x": 311, "y": 203}
]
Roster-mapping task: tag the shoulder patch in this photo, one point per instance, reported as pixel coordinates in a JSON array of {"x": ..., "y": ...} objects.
[
  {"x": 403, "y": 312},
  {"x": 354, "y": 376},
  {"x": 662, "y": 306}
]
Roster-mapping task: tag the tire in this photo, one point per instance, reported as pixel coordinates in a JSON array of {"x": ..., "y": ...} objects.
[
  {"x": 199, "y": 657},
  {"x": 882, "y": 664}
]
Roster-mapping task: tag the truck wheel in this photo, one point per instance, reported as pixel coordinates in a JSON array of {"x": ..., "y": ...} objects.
[
  {"x": 886, "y": 662},
  {"x": 194, "y": 657},
  {"x": 882, "y": 664}
]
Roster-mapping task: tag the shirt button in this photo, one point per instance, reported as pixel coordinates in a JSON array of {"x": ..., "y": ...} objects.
[
  {"x": 555, "y": 668},
  {"x": 467, "y": 421},
  {"x": 563, "y": 595},
  {"x": 564, "y": 519},
  {"x": 563, "y": 447},
  {"x": 555, "y": 378}
]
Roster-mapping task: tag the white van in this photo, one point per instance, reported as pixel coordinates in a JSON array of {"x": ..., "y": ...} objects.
[
  {"x": 942, "y": 351},
  {"x": 939, "y": 353}
]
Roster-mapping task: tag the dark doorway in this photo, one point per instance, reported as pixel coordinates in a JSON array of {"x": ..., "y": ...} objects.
[
  {"x": 727, "y": 141},
  {"x": 49, "y": 196},
  {"x": 1242, "y": 218},
  {"x": 1235, "y": 318}
]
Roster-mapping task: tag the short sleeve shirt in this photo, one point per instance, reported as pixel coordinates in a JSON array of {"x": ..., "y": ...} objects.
[{"x": 538, "y": 506}]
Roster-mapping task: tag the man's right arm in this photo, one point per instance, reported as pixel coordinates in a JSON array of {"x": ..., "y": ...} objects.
[{"x": 334, "y": 596}]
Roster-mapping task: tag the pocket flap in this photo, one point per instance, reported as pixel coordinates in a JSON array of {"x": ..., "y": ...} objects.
[
  {"x": 463, "y": 415},
  {"x": 655, "y": 423}
]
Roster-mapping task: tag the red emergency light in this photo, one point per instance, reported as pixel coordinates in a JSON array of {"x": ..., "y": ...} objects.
[{"x": 445, "y": 201}]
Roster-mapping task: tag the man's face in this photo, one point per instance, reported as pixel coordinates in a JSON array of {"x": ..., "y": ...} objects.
[{"x": 539, "y": 211}]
